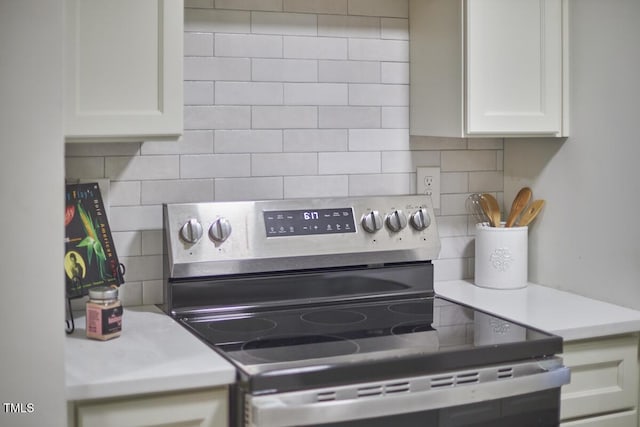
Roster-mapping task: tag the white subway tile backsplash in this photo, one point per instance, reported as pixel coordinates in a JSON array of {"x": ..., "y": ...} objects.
[
  {"x": 198, "y": 93},
  {"x": 395, "y": 117},
  {"x": 456, "y": 247},
  {"x": 102, "y": 149},
  {"x": 141, "y": 167},
  {"x": 135, "y": 218},
  {"x": 248, "y": 45},
  {"x": 248, "y": 141},
  {"x": 284, "y": 117},
  {"x": 437, "y": 143},
  {"x": 262, "y": 188},
  {"x": 454, "y": 182},
  {"x": 198, "y": 4},
  {"x": 152, "y": 292},
  {"x": 349, "y": 117},
  {"x": 205, "y": 68},
  {"x": 248, "y": 93},
  {"x": 486, "y": 181},
  {"x": 130, "y": 293},
  {"x": 348, "y": 26},
  {"x": 217, "y": 117},
  {"x": 380, "y": 50},
  {"x": 282, "y": 164},
  {"x": 453, "y": 204},
  {"x": 315, "y": 140},
  {"x": 215, "y": 165},
  {"x": 124, "y": 193},
  {"x": 455, "y": 161},
  {"x": 338, "y": 7},
  {"x": 393, "y": 8},
  {"x": 395, "y": 28},
  {"x": 152, "y": 242},
  {"x": 196, "y": 141},
  {"x": 450, "y": 269},
  {"x": 349, "y": 71},
  {"x": 348, "y": 163},
  {"x": 127, "y": 243},
  {"x": 291, "y": 24},
  {"x": 315, "y": 48},
  {"x": 394, "y": 72},
  {"x": 408, "y": 161},
  {"x": 216, "y": 21},
  {"x": 272, "y": 5},
  {"x": 176, "y": 191},
  {"x": 485, "y": 143},
  {"x": 198, "y": 44},
  {"x": 84, "y": 167},
  {"x": 378, "y": 94},
  {"x": 453, "y": 226},
  {"x": 316, "y": 186},
  {"x": 316, "y": 94},
  {"x": 378, "y": 139},
  {"x": 375, "y": 185},
  {"x": 284, "y": 70}
]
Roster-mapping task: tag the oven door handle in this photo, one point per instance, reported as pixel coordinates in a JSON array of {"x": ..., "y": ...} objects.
[{"x": 296, "y": 408}]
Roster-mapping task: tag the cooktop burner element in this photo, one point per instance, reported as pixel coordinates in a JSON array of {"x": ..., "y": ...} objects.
[
  {"x": 247, "y": 325},
  {"x": 298, "y": 347},
  {"x": 333, "y": 317}
]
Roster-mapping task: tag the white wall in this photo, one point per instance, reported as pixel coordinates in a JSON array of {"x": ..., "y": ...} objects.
[
  {"x": 287, "y": 99},
  {"x": 32, "y": 191},
  {"x": 588, "y": 239}
]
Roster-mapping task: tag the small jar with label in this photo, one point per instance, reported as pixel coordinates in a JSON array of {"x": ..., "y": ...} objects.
[{"x": 104, "y": 313}]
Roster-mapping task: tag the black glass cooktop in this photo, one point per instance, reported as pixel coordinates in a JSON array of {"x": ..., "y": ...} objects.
[{"x": 346, "y": 342}]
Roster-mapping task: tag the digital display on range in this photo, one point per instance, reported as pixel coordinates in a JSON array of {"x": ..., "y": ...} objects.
[{"x": 305, "y": 222}]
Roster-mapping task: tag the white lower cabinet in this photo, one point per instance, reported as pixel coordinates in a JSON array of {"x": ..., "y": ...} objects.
[
  {"x": 604, "y": 382},
  {"x": 201, "y": 408}
]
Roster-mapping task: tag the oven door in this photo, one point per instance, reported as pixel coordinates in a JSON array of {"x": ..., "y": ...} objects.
[{"x": 524, "y": 394}]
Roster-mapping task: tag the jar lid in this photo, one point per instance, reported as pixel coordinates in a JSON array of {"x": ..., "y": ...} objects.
[{"x": 103, "y": 292}]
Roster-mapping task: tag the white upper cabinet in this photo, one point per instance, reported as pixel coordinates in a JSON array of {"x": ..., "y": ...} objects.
[
  {"x": 124, "y": 70},
  {"x": 488, "y": 68}
]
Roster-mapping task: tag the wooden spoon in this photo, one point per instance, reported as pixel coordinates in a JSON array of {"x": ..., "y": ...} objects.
[
  {"x": 531, "y": 212},
  {"x": 491, "y": 208},
  {"x": 519, "y": 203}
]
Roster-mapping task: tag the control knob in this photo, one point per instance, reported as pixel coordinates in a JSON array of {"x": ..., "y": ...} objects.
[
  {"x": 372, "y": 221},
  {"x": 420, "y": 219},
  {"x": 220, "y": 230},
  {"x": 396, "y": 220},
  {"x": 191, "y": 231}
]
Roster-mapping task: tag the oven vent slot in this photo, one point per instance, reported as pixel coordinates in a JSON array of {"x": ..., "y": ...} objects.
[
  {"x": 505, "y": 373},
  {"x": 370, "y": 391},
  {"x": 397, "y": 388},
  {"x": 326, "y": 396},
  {"x": 453, "y": 380}
]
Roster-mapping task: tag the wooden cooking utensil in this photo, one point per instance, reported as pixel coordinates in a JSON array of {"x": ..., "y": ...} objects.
[
  {"x": 531, "y": 212},
  {"x": 519, "y": 203},
  {"x": 491, "y": 208}
]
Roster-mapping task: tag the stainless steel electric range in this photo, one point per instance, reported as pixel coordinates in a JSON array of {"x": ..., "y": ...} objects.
[{"x": 327, "y": 309}]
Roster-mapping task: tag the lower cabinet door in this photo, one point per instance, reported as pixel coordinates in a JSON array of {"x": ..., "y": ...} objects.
[
  {"x": 604, "y": 382},
  {"x": 622, "y": 419},
  {"x": 203, "y": 408}
]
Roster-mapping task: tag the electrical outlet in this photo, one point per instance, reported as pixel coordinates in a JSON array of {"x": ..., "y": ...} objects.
[{"x": 428, "y": 182}]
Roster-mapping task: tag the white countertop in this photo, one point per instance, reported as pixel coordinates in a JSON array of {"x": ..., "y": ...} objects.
[
  {"x": 153, "y": 354},
  {"x": 571, "y": 316}
]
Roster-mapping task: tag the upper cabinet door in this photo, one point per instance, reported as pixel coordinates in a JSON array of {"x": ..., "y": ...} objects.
[
  {"x": 124, "y": 69},
  {"x": 514, "y": 66},
  {"x": 488, "y": 68}
]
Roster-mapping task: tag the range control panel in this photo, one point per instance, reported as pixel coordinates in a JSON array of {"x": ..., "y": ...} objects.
[
  {"x": 239, "y": 237},
  {"x": 302, "y": 222}
]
